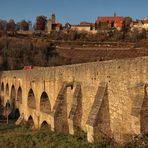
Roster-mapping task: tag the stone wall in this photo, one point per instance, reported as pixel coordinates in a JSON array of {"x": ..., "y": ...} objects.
[{"x": 74, "y": 90}]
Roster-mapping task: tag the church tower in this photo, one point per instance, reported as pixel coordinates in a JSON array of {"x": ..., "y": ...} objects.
[
  {"x": 50, "y": 23},
  {"x": 53, "y": 18}
]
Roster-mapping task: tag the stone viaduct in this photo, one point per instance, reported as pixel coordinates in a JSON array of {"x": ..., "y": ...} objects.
[{"x": 110, "y": 97}]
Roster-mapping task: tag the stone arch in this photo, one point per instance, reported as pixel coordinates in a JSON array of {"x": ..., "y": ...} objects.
[
  {"x": 14, "y": 115},
  {"x": 31, "y": 99},
  {"x": 7, "y": 108},
  {"x": 31, "y": 122},
  {"x": 45, "y": 105},
  {"x": 144, "y": 113},
  {"x": 2, "y": 88},
  {"x": 17, "y": 113},
  {"x": 14, "y": 110},
  {"x": 19, "y": 95},
  {"x": 13, "y": 97},
  {"x": 2, "y": 94},
  {"x": 13, "y": 92},
  {"x": 7, "y": 89},
  {"x": 7, "y": 104},
  {"x": 44, "y": 124}
]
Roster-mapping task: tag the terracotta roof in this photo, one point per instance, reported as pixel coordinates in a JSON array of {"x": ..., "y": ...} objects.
[
  {"x": 87, "y": 24},
  {"x": 84, "y": 24},
  {"x": 56, "y": 24},
  {"x": 116, "y": 19}
]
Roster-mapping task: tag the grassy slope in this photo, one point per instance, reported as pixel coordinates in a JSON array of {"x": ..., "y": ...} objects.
[{"x": 22, "y": 137}]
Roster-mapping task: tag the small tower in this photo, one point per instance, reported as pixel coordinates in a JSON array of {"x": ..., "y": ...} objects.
[
  {"x": 51, "y": 21},
  {"x": 53, "y": 18},
  {"x": 115, "y": 14}
]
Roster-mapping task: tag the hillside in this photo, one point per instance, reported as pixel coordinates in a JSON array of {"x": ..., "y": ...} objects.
[
  {"x": 16, "y": 52},
  {"x": 99, "y": 54}
]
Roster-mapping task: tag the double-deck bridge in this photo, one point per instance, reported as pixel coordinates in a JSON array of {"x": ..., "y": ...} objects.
[{"x": 109, "y": 97}]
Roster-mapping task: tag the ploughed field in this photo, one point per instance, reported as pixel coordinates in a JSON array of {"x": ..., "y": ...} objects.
[{"x": 100, "y": 54}]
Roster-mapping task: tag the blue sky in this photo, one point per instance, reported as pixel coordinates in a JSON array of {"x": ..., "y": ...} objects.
[{"x": 72, "y": 11}]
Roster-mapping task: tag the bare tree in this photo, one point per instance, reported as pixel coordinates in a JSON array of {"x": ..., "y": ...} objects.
[
  {"x": 41, "y": 23},
  {"x": 24, "y": 25},
  {"x": 11, "y": 25},
  {"x": 3, "y": 25}
]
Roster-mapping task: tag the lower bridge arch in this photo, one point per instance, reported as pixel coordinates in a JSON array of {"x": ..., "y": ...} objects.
[
  {"x": 44, "y": 124},
  {"x": 30, "y": 122},
  {"x": 14, "y": 115},
  {"x": 7, "y": 104},
  {"x": 11, "y": 113},
  {"x": 13, "y": 110}
]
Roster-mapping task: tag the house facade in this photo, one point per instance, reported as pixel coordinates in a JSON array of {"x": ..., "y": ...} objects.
[
  {"x": 140, "y": 24},
  {"x": 84, "y": 26}
]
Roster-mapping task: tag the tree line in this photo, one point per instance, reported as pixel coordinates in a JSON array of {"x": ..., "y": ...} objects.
[{"x": 24, "y": 25}]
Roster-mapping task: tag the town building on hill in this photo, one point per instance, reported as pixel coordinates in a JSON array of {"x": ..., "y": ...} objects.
[
  {"x": 110, "y": 21},
  {"x": 145, "y": 23},
  {"x": 140, "y": 24},
  {"x": 52, "y": 25},
  {"x": 84, "y": 26}
]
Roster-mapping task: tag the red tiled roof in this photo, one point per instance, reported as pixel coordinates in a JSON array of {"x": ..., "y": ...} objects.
[
  {"x": 56, "y": 24},
  {"x": 85, "y": 24},
  {"x": 109, "y": 19},
  {"x": 117, "y": 19}
]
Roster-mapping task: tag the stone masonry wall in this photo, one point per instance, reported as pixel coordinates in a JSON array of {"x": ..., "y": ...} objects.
[{"x": 119, "y": 114}]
